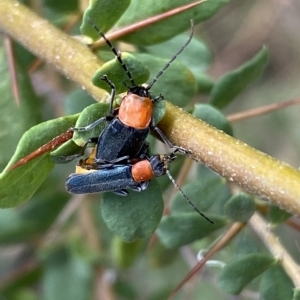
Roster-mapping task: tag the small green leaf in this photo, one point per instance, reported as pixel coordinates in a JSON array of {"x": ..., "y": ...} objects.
[
  {"x": 203, "y": 193},
  {"x": 296, "y": 295},
  {"x": 88, "y": 116},
  {"x": 237, "y": 274},
  {"x": 77, "y": 101},
  {"x": 20, "y": 184},
  {"x": 124, "y": 254},
  {"x": 39, "y": 135},
  {"x": 159, "y": 110},
  {"x": 196, "y": 56},
  {"x": 177, "y": 75},
  {"x": 32, "y": 219},
  {"x": 213, "y": 117},
  {"x": 117, "y": 75},
  {"x": 277, "y": 215},
  {"x": 164, "y": 30},
  {"x": 245, "y": 243},
  {"x": 177, "y": 84},
  {"x": 182, "y": 229},
  {"x": 205, "y": 83},
  {"x": 240, "y": 208},
  {"x": 135, "y": 216},
  {"x": 233, "y": 83},
  {"x": 276, "y": 285},
  {"x": 104, "y": 13}
]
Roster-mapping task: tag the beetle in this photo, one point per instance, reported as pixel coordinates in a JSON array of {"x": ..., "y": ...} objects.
[
  {"x": 125, "y": 136},
  {"x": 117, "y": 178}
]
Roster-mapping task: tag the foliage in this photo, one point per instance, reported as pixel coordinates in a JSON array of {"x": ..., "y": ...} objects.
[{"x": 67, "y": 256}]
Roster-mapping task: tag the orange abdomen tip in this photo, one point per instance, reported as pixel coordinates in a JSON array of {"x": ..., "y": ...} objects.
[
  {"x": 136, "y": 111},
  {"x": 142, "y": 171}
]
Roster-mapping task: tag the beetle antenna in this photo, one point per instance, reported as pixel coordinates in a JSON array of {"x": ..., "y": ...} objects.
[
  {"x": 172, "y": 58},
  {"x": 113, "y": 49},
  {"x": 187, "y": 199}
]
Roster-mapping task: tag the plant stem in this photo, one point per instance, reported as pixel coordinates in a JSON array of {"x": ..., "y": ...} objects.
[
  {"x": 68, "y": 55},
  {"x": 272, "y": 242},
  {"x": 257, "y": 172},
  {"x": 224, "y": 240}
]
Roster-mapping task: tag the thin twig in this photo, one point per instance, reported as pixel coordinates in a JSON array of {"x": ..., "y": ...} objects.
[
  {"x": 272, "y": 242},
  {"x": 219, "y": 245},
  {"x": 262, "y": 110},
  {"x": 144, "y": 23},
  {"x": 12, "y": 69}
]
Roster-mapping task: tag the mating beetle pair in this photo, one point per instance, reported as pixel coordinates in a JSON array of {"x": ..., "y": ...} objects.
[
  {"x": 119, "y": 162},
  {"x": 125, "y": 135},
  {"x": 117, "y": 177}
]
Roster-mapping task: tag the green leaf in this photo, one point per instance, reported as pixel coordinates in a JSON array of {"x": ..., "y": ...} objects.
[
  {"x": 32, "y": 219},
  {"x": 246, "y": 243},
  {"x": 159, "y": 110},
  {"x": 237, "y": 274},
  {"x": 181, "y": 229},
  {"x": 214, "y": 185},
  {"x": 205, "y": 83},
  {"x": 213, "y": 117},
  {"x": 20, "y": 184},
  {"x": 76, "y": 101},
  {"x": 177, "y": 84},
  {"x": 124, "y": 254},
  {"x": 240, "y": 208},
  {"x": 203, "y": 193},
  {"x": 168, "y": 28},
  {"x": 196, "y": 56},
  {"x": 277, "y": 215},
  {"x": 233, "y": 83},
  {"x": 104, "y": 13},
  {"x": 296, "y": 295},
  {"x": 135, "y": 216},
  {"x": 177, "y": 75},
  {"x": 276, "y": 285},
  {"x": 88, "y": 116},
  {"x": 117, "y": 75}
]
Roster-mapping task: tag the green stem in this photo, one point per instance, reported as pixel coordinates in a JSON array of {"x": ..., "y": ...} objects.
[
  {"x": 257, "y": 172},
  {"x": 68, "y": 55}
]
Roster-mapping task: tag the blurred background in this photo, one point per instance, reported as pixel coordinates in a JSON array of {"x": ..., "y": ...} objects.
[
  {"x": 235, "y": 34},
  {"x": 32, "y": 263}
]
